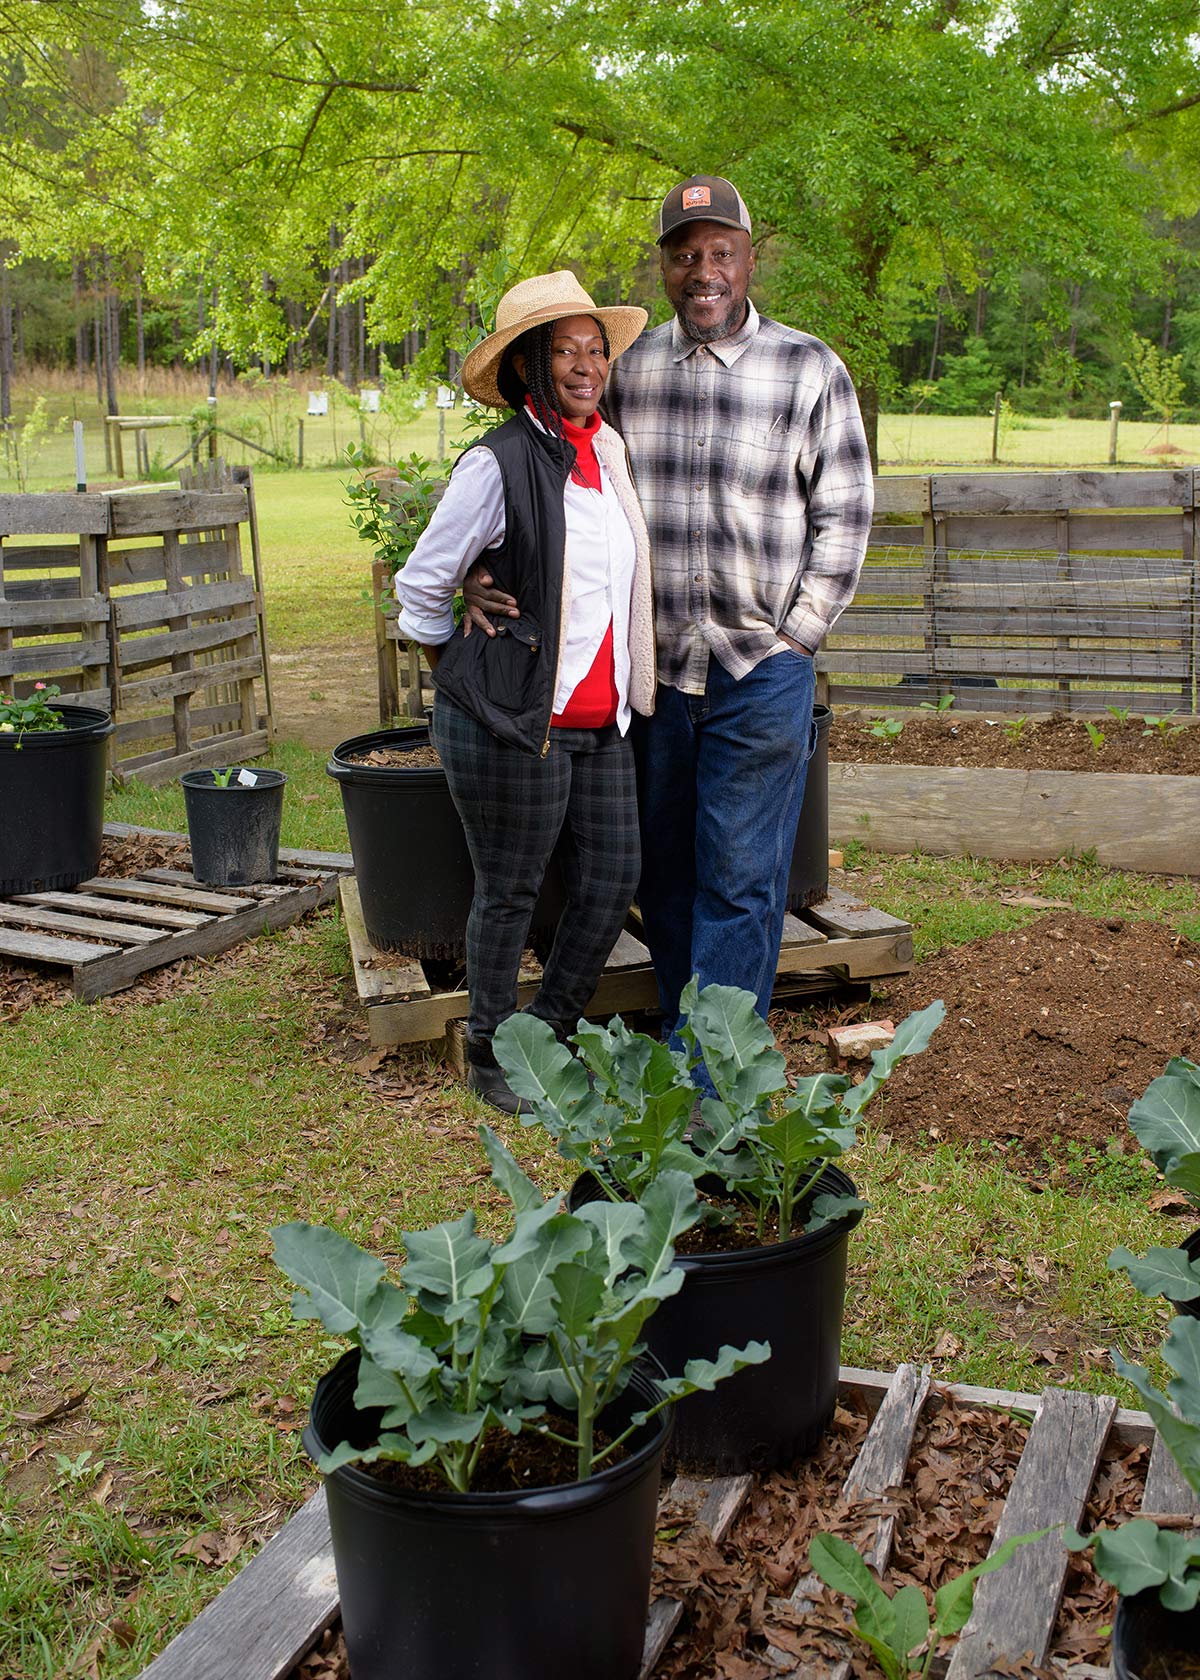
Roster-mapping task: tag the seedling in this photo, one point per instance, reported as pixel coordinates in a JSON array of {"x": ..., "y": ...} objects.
[
  {"x": 886, "y": 729},
  {"x": 1121, "y": 713},
  {"x": 1162, "y": 726},
  {"x": 942, "y": 704},
  {"x": 895, "y": 1628},
  {"x": 221, "y": 777},
  {"x": 1014, "y": 728},
  {"x": 1095, "y": 734}
]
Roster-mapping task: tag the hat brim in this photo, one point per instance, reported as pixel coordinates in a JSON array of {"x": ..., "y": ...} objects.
[
  {"x": 702, "y": 216},
  {"x": 624, "y": 323}
]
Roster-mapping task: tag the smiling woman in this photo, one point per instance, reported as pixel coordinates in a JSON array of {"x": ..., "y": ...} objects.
[{"x": 532, "y": 715}]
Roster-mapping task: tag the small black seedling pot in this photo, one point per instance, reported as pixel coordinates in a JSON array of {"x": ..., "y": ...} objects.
[
  {"x": 234, "y": 830},
  {"x": 536, "y": 1584}
]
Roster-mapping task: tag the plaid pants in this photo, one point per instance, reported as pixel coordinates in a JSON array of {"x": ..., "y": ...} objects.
[{"x": 513, "y": 807}]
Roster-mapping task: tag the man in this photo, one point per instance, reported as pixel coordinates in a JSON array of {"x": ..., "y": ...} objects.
[{"x": 753, "y": 470}]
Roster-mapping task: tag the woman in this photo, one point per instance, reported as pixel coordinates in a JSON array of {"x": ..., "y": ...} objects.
[{"x": 532, "y": 724}]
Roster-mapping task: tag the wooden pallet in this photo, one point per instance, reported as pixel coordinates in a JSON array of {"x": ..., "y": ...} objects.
[
  {"x": 285, "y": 1598},
  {"x": 839, "y": 939},
  {"x": 108, "y": 931}
]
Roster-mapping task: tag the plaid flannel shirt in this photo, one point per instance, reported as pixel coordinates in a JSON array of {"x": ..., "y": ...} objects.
[{"x": 752, "y": 468}]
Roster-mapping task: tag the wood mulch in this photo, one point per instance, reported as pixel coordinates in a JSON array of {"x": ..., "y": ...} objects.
[
  {"x": 1042, "y": 743},
  {"x": 738, "y": 1592},
  {"x": 398, "y": 758}
]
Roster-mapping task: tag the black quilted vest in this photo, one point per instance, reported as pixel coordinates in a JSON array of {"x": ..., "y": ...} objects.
[{"x": 507, "y": 681}]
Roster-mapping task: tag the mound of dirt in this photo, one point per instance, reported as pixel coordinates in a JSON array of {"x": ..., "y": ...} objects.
[{"x": 1050, "y": 1032}]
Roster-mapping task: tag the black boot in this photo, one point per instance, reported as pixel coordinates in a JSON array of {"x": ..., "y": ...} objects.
[{"x": 485, "y": 1077}]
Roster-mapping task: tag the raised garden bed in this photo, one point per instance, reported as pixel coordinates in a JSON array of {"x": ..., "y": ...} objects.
[{"x": 967, "y": 786}]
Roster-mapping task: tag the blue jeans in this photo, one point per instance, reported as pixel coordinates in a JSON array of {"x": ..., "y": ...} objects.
[{"x": 720, "y": 785}]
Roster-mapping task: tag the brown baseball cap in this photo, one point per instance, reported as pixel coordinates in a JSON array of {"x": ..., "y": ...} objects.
[{"x": 702, "y": 198}]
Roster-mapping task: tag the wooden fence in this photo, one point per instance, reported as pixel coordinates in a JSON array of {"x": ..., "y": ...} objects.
[
  {"x": 1018, "y": 592},
  {"x": 141, "y": 602}
]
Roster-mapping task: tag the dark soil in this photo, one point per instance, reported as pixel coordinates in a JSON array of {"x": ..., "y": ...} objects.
[
  {"x": 737, "y": 1593},
  {"x": 1041, "y": 743},
  {"x": 396, "y": 758},
  {"x": 1051, "y": 1031},
  {"x": 741, "y": 1232},
  {"x": 507, "y": 1462}
]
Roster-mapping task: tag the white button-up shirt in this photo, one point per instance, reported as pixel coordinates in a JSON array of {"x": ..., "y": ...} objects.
[{"x": 598, "y": 563}]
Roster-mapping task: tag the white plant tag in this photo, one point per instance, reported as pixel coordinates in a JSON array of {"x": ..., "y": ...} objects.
[{"x": 247, "y": 778}]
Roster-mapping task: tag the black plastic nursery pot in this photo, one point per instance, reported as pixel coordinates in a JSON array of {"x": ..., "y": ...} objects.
[
  {"x": 1150, "y": 1641},
  {"x": 529, "y": 1585},
  {"x": 414, "y": 873},
  {"x": 808, "y": 881},
  {"x": 790, "y": 1294},
  {"x": 234, "y": 830},
  {"x": 52, "y": 799}
]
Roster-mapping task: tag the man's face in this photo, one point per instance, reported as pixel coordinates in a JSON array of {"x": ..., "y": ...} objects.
[{"x": 706, "y": 269}]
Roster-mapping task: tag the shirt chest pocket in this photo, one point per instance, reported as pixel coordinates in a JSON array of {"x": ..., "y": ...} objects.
[{"x": 762, "y": 460}]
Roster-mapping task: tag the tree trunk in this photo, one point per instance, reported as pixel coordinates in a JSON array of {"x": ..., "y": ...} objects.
[
  {"x": 80, "y": 324},
  {"x": 868, "y": 402},
  {"x": 331, "y": 341},
  {"x": 112, "y": 341},
  {"x": 345, "y": 322},
  {"x": 6, "y": 342},
  {"x": 1073, "y": 335},
  {"x": 981, "y": 298},
  {"x": 98, "y": 339},
  {"x": 1166, "y": 332},
  {"x": 214, "y": 354},
  {"x": 937, "y": 340},
  {"x": 141, "y": 332}
]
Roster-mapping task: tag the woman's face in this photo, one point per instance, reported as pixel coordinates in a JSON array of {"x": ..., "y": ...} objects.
[{"x": 578, "y": 366}]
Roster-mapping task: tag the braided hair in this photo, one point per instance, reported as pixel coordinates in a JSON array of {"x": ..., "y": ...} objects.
[{"x": 536, "y": 346}]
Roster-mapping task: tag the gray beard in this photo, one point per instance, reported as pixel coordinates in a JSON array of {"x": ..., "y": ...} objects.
[{"x": 722, "y": 329}]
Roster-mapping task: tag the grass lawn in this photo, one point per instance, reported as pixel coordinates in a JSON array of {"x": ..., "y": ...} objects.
[{"x": 154, "y": 1138}]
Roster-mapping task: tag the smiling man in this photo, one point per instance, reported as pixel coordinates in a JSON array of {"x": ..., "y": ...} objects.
[{"x": 754, "y": 474}]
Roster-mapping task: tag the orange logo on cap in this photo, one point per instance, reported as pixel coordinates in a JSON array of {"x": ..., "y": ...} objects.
[{"x": 695, "y": 198}]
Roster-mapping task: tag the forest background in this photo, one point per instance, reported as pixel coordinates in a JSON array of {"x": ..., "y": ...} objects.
[{"x": 965, "y": 197}]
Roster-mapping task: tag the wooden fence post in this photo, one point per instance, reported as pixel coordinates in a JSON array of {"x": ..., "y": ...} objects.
[{"x": 385, "y": 647}]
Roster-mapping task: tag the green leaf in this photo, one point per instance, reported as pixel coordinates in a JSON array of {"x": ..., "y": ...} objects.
[
  {"x": 617, "y": 1225},
  {"x": 448, "y": 1266},
  {"x": 509, "y": 1176},
  {"x": 544, "y": 1072},
  {"x": 670, "y": 1208},
  {"x": 1137, "y": 1555},
  {"x": 1163, "y": 1271},
  {"x": 912, "y": 1036},
  {"x": 1180, "y": 1435},
  {"x": 579, "y": 1292},
  {"x": 340, "y": 1284},
  {"x": 394, "y": 1350},
  {"x": 527, "y": 1291},
  {"x": 1166, "y": 1117},
  {"x": 827, "y": 1210},
  {"x": 703, "y": 1375},
  {"x": 911, "y": 1615},
  {"x": 840, "y": 1567},
  {"x": 738, "y": 1046}
]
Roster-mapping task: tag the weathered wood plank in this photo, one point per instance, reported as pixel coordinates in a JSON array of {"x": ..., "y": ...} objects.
[
  {"x": 143, "y": 691},
  {"x": 45, "y": 948},
  {"x": 1015, "y": 1609},
  {"x": 628, "y": 952},
  {"x": 377, "y": 974},
  {"x": 1033, "y": 492},
  {"x": 150, "y": 892},
  {"x": 154, "y": 728},
  {"x": 148, "y": 915},
  {"x": 146, "y": 565},
  {"x": 723, "y": 1499},
  {"x": 39, "y": 617},
  {"x": 155, "y": 768},
  {"x": 883, "y": 1456},
  {"x": 1095, "y": 665},
  {"x": 137, "y": 651},
  {"x": 45, "y": 657},
  {"x": 268, "y": 1615},
  {"x": 137, "y": 514},
  {"x": 796, "y": 932},
  {"x": 1084, "y": 700},
  {"x": 41, "y": 557},
  {"x": 1167, "y": 1494},
  {"x": 839, "y": 912},
  {"x": 158, "y": 606},
  {"x": 1130, "y": 1428},
  {"x": 59, "y": 921},
  {"x": 1145, "y": 823},
  {"x": 53, "y": 514}
]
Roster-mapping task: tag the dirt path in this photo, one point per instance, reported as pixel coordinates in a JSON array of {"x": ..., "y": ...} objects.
[{"x": 325, "y": 694}]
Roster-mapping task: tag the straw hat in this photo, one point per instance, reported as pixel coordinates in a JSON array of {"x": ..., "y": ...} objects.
[{"x": 543, "y": 297}]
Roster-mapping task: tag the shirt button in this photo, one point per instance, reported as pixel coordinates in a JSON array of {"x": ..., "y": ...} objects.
[
  {"x": 699, "y": 577},
  {"x": 700, "y": 443}
]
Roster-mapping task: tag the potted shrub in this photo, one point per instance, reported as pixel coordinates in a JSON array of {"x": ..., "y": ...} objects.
[
  {"x": 769, "y": 1260},
  {"x": 491, "y": 1433},
  {"x": 53, "y": 764},
  {"x": 1166, "y": 1121},
  {"x": 233, "y": 818}
]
